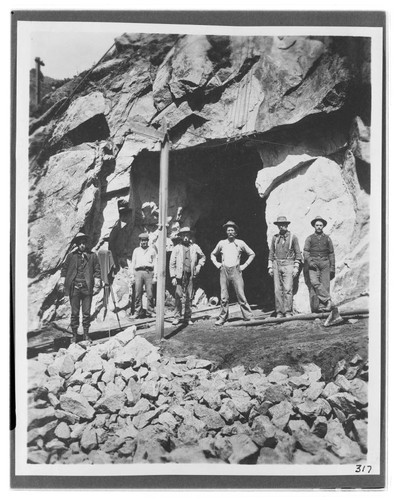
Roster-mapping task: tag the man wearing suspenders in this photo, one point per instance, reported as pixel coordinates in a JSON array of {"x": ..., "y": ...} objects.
[{"x": 283, "y": 265}]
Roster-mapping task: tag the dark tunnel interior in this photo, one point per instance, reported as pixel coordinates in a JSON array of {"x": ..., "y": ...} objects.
[{"x": 220, "y": 187}]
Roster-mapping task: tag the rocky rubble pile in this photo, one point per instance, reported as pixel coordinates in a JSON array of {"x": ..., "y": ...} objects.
[{"x": 121, "y": 402}]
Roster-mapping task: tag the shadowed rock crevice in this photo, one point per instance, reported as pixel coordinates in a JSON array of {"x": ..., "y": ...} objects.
[{"x": 94, "y": 129}]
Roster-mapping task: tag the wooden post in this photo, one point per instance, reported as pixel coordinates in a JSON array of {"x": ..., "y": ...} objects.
[
  {"x": 163, "y": 214},
  {"x": 39, "y": 63}
]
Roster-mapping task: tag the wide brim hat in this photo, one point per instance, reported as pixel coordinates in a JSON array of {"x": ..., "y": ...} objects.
[
  {"x": 318, "y": 217},
  {"x": 230, "y": 223},
  {"x": 144, "y": 236},
  {"x": 281, "y": 220},
  {"x": 80, "y": 236},
  {"x": 175, "y": 235},
  {"x": 124, "y": 210}
]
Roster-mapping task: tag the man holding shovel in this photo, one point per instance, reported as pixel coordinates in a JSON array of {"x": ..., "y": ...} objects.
[
  {"x": 284, "y": 265},
  {"x": 320, "y": 261},
  {"x": 80, "y": 280}
]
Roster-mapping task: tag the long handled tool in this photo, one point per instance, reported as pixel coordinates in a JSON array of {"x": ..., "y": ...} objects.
[
  {"x": 335, "y": 318},
  {"x": 115, "y": 307}
]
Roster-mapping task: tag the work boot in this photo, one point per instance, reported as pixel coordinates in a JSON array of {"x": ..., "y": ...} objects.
[
  {"x": 220, "y": 322},
  {"x": 74, "y": 338},
  {"x": 86, "y": 335},
  {"x": 328, "y": 306},
  {"x": 176, "y": 321},
  {"x": 279, "y": 315}
]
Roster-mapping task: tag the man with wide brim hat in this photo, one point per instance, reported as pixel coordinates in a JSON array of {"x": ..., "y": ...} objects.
[
  {"x": 319, "y": 266},
  {"x": 230, "y": 223},
  {"x": 80, "y": 280},
  {"x": 143, "y": 273},
  {"x": 185, "y": 264},
  {"x": 318, "y": 218},
  {"x": 284, "y": 265},
  {"x": 230, "y": 251}
]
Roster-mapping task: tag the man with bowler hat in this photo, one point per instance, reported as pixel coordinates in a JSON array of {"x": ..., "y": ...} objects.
[
  {"x": 185, "y": 264},
  {"x": 320, "y": 261},
  {"x": 231, "y": 270},
  {"x": 284, "y": 265},
  {"x": 143, "y": 272},
  {"x": 80, "y": 280}
]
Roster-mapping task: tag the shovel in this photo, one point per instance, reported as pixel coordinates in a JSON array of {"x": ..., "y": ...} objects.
[{"x": 334, "y": 318}]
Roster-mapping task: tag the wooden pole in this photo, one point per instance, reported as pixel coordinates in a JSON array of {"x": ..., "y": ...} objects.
[
  {"x": 297, "y": 317},
  {"x": 39, "y": 63},
  {"x": 163, "y": 214}
]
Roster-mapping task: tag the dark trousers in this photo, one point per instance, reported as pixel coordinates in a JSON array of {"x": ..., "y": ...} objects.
[
  {"x": 233, "y": 276},
  {"x": 283, "y": 285},
  {"x": 320, "y": 278},
  {"x": 80, "y": 297},
  {"x": 143, "y": 278},
  {"x": 184, "y": 293}
]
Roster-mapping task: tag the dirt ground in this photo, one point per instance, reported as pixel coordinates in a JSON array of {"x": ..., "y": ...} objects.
[
  {"x": 290, "y": 343},
  {"x": 266, "y": 346}
]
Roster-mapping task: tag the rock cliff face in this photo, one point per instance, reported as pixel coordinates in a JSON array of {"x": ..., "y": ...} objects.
[{"x": 259, "y": 127}]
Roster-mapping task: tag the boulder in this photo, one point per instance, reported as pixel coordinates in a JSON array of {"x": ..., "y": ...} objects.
[
  {"x": 37, "y": 457},
  {"x": 77, "y": 404},
  {"x": 263, "y": 431},
  {"x": 209, "y": 417},
  {"x": 359, "y": 389},
  {"x": 186, "y": 455},
  {"x": 90, "y": 393},
  {"x": 37, "y": 417},
  {"x": 62, "y": 431},
  {"x": 314, "y": 390},
  {"x": 89, "y": 439},
  {"x": 54, "y": 384},
  {"x": 126, "y": 336},
  {"x": 112, "y": 400},
  {"x": 229, "y": 411},
  {"x": 243, "y": 449},
  {"x": 281, "y": 413}
]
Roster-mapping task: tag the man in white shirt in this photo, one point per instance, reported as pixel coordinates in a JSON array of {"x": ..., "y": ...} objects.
[
  {"x": 230, "y": 250},
  {"x": 143, "y": 272}
]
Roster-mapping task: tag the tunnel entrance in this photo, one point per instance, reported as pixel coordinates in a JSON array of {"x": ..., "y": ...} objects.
[{"x": 213, "y": 185}]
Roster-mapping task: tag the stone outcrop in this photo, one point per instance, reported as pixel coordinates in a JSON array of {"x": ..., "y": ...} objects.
[
  {"x": 158, "y": 409},
  {"x": 287, "y": 114}
]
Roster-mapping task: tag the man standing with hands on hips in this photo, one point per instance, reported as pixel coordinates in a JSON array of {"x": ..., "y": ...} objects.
[
  {"x": 284, "y": 265},
  {"x": 230, "y": 251}
]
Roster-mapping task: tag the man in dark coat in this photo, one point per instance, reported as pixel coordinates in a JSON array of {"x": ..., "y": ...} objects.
[
  {"x": 80, "y": 280},
  {"x": 320, "y": 261}
]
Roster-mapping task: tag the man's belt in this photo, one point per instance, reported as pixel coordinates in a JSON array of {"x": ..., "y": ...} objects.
[
  {"x": 145, "y": 268},
  {"x": 285, "y": 260},
  {"x": 326, "y": 255}
]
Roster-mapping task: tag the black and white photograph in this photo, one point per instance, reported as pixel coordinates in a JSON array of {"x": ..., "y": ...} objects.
[{"x": 199, "y": 251}]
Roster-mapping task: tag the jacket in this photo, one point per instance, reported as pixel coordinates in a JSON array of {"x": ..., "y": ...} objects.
[
  {"x": 91, "y": 270},
  {"x": 198, "y": 259}
]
